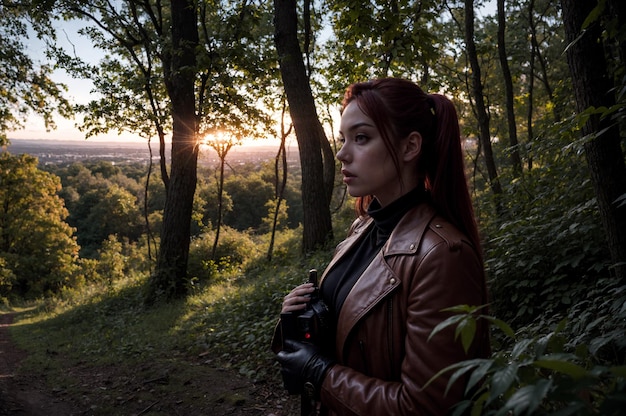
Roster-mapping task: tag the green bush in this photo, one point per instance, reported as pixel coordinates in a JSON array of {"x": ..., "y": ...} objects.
[
  {"x": 547, "y": 246},
  {"x": 233, "y": 250},
  {"x": 571, "y": 367}
]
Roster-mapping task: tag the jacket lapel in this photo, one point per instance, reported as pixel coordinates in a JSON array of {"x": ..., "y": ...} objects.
[
  {"x": 379, "y": 279},
  {"x": 376, "y": 282}
]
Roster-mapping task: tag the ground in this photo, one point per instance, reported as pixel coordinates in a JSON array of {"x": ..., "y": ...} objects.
[{"x": 152, "y": 389}]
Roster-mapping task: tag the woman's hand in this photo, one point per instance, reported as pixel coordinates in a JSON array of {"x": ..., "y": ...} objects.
[{"x": 298, "y": 298}]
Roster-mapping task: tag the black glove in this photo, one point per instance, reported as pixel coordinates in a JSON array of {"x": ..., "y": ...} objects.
[{"x": 303, "y": 367}]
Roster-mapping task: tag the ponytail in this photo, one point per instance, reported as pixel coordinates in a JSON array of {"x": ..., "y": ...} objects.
[{"x": 445, "y": 176}]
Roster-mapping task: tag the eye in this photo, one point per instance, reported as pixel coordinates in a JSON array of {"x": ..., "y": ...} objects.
[{"x": 360, "y": 138}]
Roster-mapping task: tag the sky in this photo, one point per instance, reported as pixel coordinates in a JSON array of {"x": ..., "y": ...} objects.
[{"x": 79, "y": 90}]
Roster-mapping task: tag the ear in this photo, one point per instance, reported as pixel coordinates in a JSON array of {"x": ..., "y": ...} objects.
[{"x": 412, "y": 147}]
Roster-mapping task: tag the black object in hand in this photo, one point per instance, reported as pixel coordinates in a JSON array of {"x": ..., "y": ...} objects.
[
  {"x": 306, "y": 326},
  {"x": 303, "y": 367}
]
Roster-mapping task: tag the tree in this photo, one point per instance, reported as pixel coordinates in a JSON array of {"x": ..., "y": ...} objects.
[
  {"x": 317, "y": 226},
  {"x": 480, "y": 107},
  {"x": 381, "y": 38},
  {"x": 280, "y": 183},
  {"x": 222, "y": 145},
  {"x": 516, "y": 161},
  {"x": 36, "y": 244},
  {"x": 593, "y": 86},
  {"x": 249, "y": 194},
  {"x": 194, "y": 66},
  {"x": 25, "y": 85},
  {"x": 179, "y": 67},
  {"x": 114, "y": 211}
]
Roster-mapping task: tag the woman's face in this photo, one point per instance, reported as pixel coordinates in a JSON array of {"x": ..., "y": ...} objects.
[{"x": 366, "y": 165}]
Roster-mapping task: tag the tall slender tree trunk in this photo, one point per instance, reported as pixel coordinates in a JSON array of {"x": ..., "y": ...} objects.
[
  {"x": 593, "y": 88},
  {"x": 170, "y": 277},
  {"x": 479, "y": 99},
  {"x": 531, "y": 85},
  {"x": 309, "y": 131},
  {"x": 222, "y": 149},
  {"x": 280, "y": 180},
  {"x": 516, "y": 161},
  {"x": 538, "y": 56}
]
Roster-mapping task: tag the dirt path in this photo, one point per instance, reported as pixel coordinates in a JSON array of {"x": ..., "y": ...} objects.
[
  {"x": 18, "y": 395},
  {"x": 127, "y": 391}
]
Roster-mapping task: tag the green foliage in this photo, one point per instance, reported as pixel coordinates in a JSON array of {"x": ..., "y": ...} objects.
[
  {"x": 548, "y": 368},
  {"x": 237, "y": 321},
  {"x": 235, "y": 72},
  {"x": 549, "y": 247},
  {"x": 249, "y": 193},
  {"x": 36, "y": 244},
  {"x": 234, "y": 250},
  {"x": 102, "y": 201},
  {"x": 281, "y": 216},
  {"x": 120, "y": 259},
  {"x": 26, "y": 86}
]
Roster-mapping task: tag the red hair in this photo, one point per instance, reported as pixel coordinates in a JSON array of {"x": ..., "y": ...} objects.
[{"x": 399, "y": 107}]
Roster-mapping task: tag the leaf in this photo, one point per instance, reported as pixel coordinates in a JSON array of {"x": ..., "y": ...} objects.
[
  {"x": 520, "y": 347},
  {"x": 478, "y": 375},
  {"x": 443, "y": 325},
  {"x": 565, "y": 367},
  {"x": 594, "y": 15},
  {"x": 455, "y": 376},
  {"x": 502, "y": 380},
  {"x": 464, "y": 309},
  {"x": 504, "y": 327},
  {"x": 619, "y": 371},
  {"x": 477, "y": 409},
  {"x": 528, "y": 398},
  {"x": 458, "y": 309},
  {"x": 465, "y": 365},
  {"x": 467, "y": 328},
  {"x": 460, "y": 408}
]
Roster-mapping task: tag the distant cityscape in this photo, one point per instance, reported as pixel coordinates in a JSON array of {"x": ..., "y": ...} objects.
[{"x": 59, "y": 152}]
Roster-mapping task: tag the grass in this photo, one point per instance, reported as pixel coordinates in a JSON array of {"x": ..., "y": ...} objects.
[{"x": 105, "y": 328}]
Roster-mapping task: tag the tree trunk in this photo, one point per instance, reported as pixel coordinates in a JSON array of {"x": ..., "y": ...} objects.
[
  {"x": 280, "y": 179},
  {"x": 536, "y": 51},
  {"x": 531, "y": 86},
  {"x": 592, "y": 86},
  {"x": 309, "y": 131},
  {"x": 516, "y": 161},
  {"x": 479, "y": 99},
  {"x": 222, "y": 149},
  {"x": 169, "y": 279}
]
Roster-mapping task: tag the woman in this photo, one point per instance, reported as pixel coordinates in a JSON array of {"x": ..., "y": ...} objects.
[{"x": 413, "y": 251}]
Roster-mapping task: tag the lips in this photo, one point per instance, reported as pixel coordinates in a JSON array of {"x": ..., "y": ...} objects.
[{"x": 347, "y": 175}]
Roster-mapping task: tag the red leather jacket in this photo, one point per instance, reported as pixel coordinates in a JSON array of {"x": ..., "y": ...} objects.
[{"x": 382, "y": 349}]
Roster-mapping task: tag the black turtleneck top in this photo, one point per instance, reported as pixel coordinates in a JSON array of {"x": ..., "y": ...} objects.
[{"x": 342, "y": 277}]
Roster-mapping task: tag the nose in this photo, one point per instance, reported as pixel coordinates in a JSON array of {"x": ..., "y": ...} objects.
[{"x": 342, "y": 153}]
